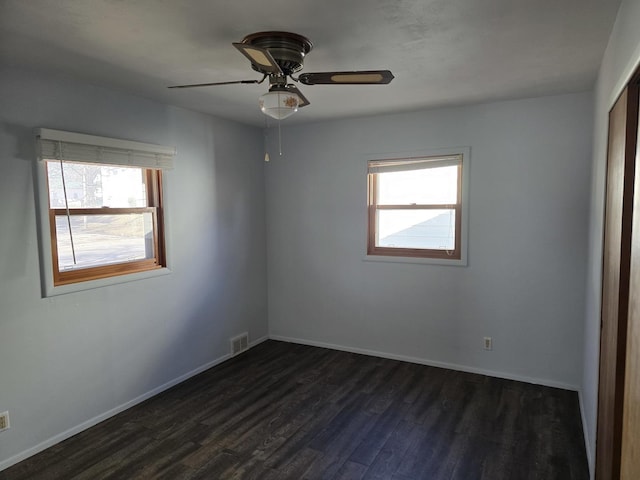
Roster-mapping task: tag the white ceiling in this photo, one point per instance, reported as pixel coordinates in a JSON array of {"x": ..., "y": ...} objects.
[{"x": 442, "y": 52}]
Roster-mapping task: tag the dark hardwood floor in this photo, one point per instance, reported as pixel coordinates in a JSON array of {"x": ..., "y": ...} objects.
[{"x": 286, "y": 411}]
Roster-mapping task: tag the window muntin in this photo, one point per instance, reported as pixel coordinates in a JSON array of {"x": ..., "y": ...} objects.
[
  {"x": 105, "y": 220},
  {"x": 415, "y": 207}
]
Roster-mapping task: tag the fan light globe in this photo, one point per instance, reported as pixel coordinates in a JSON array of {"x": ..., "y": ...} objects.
[{"x": 279, "y": 104}]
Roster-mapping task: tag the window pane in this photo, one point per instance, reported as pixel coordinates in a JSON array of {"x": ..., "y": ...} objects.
[
  {"x": 104, "y": 239},
  {"x": 427, "y": 186},
  {"x": 96, "y": 186},
  {"x": 429, "y": 229}
]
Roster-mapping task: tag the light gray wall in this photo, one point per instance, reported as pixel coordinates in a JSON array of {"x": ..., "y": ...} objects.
[
  {"x": 621, "y": 58},
  {"x": 81, "y": 355},
  {"x": 69, "y": 359},
  {"x": 524, "y": 284}
]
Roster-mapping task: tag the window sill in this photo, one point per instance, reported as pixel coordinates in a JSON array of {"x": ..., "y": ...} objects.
[
  {"x": 421, "y": 261},
  {"x": 53, "y": 291}
]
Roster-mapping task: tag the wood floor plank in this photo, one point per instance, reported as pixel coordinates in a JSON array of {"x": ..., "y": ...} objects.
[
  {"x": 284, "y": 411},
  {"x": 384, "y": 425},
  {"x": 350, "y": 471},
  {"x": 339, "y": 447},
  {"x": 390, "y": 457}
]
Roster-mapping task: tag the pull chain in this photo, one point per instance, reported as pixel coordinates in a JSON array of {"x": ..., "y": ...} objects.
[{"x": 266, "y": 138}]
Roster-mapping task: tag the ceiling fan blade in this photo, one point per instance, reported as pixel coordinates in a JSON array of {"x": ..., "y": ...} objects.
[
  {"x": 260, "y": 58},
  {"x": 362, "y": 77},
  {"x": 217, "y": 83},
  {"x": 303, "y": 100}
]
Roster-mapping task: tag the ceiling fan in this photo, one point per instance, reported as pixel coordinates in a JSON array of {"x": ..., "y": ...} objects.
[{"x": 278, "y": 55}]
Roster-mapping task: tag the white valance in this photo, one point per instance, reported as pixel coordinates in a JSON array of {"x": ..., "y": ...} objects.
[
  {"x": 78, "y": 147},
  {"x": 406, "y": 164}
]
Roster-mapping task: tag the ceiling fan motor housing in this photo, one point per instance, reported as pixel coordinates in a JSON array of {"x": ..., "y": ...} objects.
[{"x": 287, "y": 49}]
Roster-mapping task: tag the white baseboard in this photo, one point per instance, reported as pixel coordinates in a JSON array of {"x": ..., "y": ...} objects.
[
  {"x": 4, "y": 464},
  {"x": 585, "y": 433},
  {"x": 431, "y": 363}
]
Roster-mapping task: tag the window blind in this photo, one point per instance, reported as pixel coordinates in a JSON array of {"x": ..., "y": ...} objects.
[
  {"x": 406, "y": 164},
  {"x": 78, "y": 147}
]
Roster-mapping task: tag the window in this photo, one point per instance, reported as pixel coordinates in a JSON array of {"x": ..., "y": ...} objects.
[
  {"x": 104, "y": 206},
  {"x": 415, "y": 207}
]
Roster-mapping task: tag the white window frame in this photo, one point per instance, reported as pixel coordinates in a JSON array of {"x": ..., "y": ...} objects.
[
  {"x": 77, "y": 147},
  {"x": 465, "y": 153}
]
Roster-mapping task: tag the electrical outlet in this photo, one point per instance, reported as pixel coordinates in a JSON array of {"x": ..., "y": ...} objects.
[
  {"x": 4, "y": 421},
  {"x": 488, "y": 343}
]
